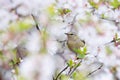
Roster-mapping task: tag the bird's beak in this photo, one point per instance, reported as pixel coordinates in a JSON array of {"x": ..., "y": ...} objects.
[{"x": 66, "y": 33}]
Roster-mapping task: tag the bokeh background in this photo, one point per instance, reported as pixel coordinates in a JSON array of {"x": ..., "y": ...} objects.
[{"x": 33, "y": 41}]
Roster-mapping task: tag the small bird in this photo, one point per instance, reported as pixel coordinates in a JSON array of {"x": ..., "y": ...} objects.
[{"x": 74, "y": 42}]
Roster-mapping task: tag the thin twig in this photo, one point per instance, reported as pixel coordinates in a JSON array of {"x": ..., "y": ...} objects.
[
  {"x": 95, "y": 70},
  {"x": 107, "y": 19},
  {"x": 73, "y": 22},
  {"x": 15, "y": 8},
  {"x": 114, "y": 40},
  {"x": 36, "y": 23},
  {"x": 74, "y": 18},
  {"x": 70, "y": 70},
  {"x": 61, "y": 72},
  {"x": 75, "y": 67}
]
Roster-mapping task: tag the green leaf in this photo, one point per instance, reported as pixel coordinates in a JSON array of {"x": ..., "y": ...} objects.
[
  {"x": 108, "y": 50},
  {"x": 78, "y": 51},
  {"x": 81, "y": 52},
  {"x": 70, "y": 63},
  {"x": 20, "y": 26},
  {"x": 115, "y": 3},
  {"x": 67, "y": 11},
  {"x": 81, "y": 56},
  {"x": 116, "y": 36},
  {"x": 63, "y": 11},
  {"x": 85, "y": 50},
  {"x": 103, "y": 16},
  {"x": 93, "y": 4},
  {"x": 74, "y": 74},
  {"x": 78, "y": 76},
  {"x": 64, "y": 77},
  {"x": 51, "y": 10}
]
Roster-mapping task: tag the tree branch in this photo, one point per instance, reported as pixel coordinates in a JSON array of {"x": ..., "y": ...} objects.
[
  {"x": 36, "y": 23},
  {"x": 75, "y": 67},
  {"x": 61, "y": 73},
  {"x": 95, "y": 70}
]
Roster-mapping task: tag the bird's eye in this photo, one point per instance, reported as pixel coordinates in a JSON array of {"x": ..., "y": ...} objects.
[{"x": 71, "y": 34}]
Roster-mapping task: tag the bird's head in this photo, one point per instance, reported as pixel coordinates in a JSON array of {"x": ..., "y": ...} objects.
[{"x": 70, "y": 35}]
